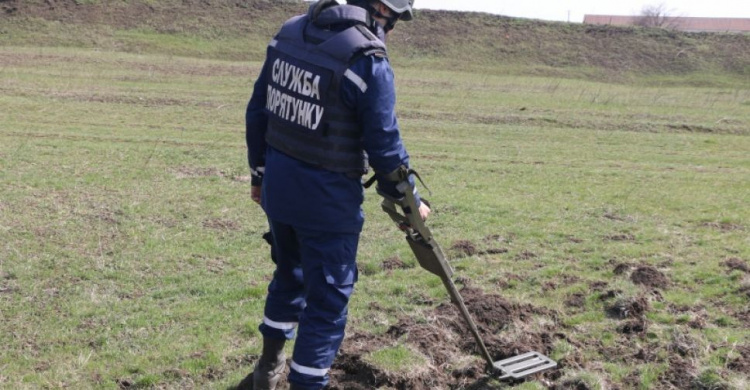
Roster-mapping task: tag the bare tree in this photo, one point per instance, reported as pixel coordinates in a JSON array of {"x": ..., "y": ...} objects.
[{"x": 658, "y": 16}]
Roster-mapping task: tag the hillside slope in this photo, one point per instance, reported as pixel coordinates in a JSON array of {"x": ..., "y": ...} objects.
[{"x": 242, "y": 27}]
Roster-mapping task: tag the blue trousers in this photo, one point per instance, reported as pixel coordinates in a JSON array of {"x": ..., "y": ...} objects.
[{"x": 314, "y": 278}]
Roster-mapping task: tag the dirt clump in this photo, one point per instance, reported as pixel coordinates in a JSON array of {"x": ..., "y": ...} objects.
[
  {"x": 576, "y": 300},
  {"x": 633, "y": 327},
  {"x": 621, "y": 237},
  {"x": 629, "y": 308},
  {"x": 492, "y": 238},
  {"x": 464, "y": 248},
  {"x": 647, "y": 355},
  {"x": 495, "y": 251},
  {"x": 744, "y": 317},
  {"x": 649, "y": 276},
  {"x": 723, "y": 226},
  {"x": 507, "y": 280},
  {"x": 503, "y": 347},
  {"x": 742, "y": 363},
  {"x": 684, "y": 345},
  {"x": 609, "y": 295},
  {"x": 349, "y": 371},
  {"x": 392, "y": 263},
  {"x": 735, "y": 264},
  {"x": 186, "y": 172},
  {"x": 8, "y": 6},
  {"x": 221, "y": 224},
  {"x": 489, "y": 310},
  {"x": 680, "y": 374},
  {"x": 621, "y": 268},
  {"x": 598, "y": 285},
  {"x": 632, "y": 380},
  {"x": 699, "y": 322},
  {"x": 525, "y": 255},
  {"x": 572, "y": 384}
]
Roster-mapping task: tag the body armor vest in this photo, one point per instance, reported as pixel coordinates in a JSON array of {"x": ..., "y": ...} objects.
[{"x": 306, "y": 64}]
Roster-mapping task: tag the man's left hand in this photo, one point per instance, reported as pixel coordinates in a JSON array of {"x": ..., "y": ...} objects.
[
  {"x": 424, "y": 211},
  {"x": 255, "y": 193}
]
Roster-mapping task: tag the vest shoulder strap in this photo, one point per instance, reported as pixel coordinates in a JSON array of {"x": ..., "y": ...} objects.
[
  {"x": 350, "y": 42},
  {"x": 342, "y": 46}
]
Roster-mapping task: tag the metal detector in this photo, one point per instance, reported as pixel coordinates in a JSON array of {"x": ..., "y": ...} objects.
[{"x": 431, "y": 257}]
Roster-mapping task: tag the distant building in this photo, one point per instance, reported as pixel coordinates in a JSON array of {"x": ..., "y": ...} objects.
[{"x": 734, "y": 25}]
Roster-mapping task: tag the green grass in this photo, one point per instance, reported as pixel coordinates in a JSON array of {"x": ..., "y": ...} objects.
[
  {"x": 131, "y": 250},
  {"x": 396, "y": 359},
  {"x": 240, "y": 29}
]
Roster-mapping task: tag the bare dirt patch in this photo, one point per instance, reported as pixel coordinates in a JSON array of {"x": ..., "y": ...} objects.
[
  {"x": 680, "y": 374},
  {"x": 736, "y": 264},
  {"x": 629, "y": 308},
  {"x": 572, "y": 384},
  {"x": 633, "y": 327},
  {"x": 525, "y": 255},
  {"x": 241, "y": 178},
  {"x": 122, "y": 99},
  {"x": 221, "y": 224},
  {"x": 621, "y": 237},
  {"x": 621, "y": 268},
  {"x": 445, "y": 340},
  {"x": 742, "y": 363},
  {"x": 506, "y": 279},
  {"x": 576, "y": 300},
  {"x": 744, "y": 317},
  {"x": 494, "y": 251},
  {"x": 193, "y": 172},
  {"x": 8, "y": 6},
  {"x": 649, "y": 276},
  {"x": 684, "y": 345},
  {"x": 8, "y": 289},
  {"x": 497, "y": 238},
  {"x": 723, "y": 226},
  {"x": 464, "y": 248},
  {"x": 392, "y": 263}
]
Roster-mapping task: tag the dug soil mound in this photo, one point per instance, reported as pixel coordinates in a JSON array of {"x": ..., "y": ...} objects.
[
  {"x": 452, "y": 357},
  {"x": 650, "y": 277},
  {"x": 735, "y": 264}
]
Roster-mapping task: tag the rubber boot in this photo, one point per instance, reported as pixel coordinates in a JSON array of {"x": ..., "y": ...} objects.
[{"x": 268, "y": 370}]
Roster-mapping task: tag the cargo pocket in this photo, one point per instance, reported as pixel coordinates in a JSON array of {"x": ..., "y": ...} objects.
[
  {"x": 333, "y": 295},
  {"x": 340, "y": 274}
]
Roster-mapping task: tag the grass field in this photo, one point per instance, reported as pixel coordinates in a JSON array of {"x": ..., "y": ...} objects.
[{"x": 131, "y": 255}]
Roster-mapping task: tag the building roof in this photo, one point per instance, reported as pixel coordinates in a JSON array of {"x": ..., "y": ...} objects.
[{"x": 679, "y": 23}]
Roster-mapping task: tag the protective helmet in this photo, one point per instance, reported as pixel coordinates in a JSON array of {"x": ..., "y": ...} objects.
[{"x": 401, "y": 7}]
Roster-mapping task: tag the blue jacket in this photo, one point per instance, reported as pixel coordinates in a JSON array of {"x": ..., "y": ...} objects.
[{"x": 299, "y": 194}]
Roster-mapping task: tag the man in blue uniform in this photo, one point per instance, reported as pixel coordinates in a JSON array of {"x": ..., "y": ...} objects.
[{"x": 321, "y": 112}]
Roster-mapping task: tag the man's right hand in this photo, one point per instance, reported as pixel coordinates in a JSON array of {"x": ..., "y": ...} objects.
[{"x": 255, "y": 194}]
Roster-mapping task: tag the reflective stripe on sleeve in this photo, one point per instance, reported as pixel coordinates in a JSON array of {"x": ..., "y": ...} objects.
[
  {"x": 353, "y": 77},
  {"x": 279, "y": 325},
  {"x": 309, "y": 370},
  {"x": 258, "y": 172}
]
